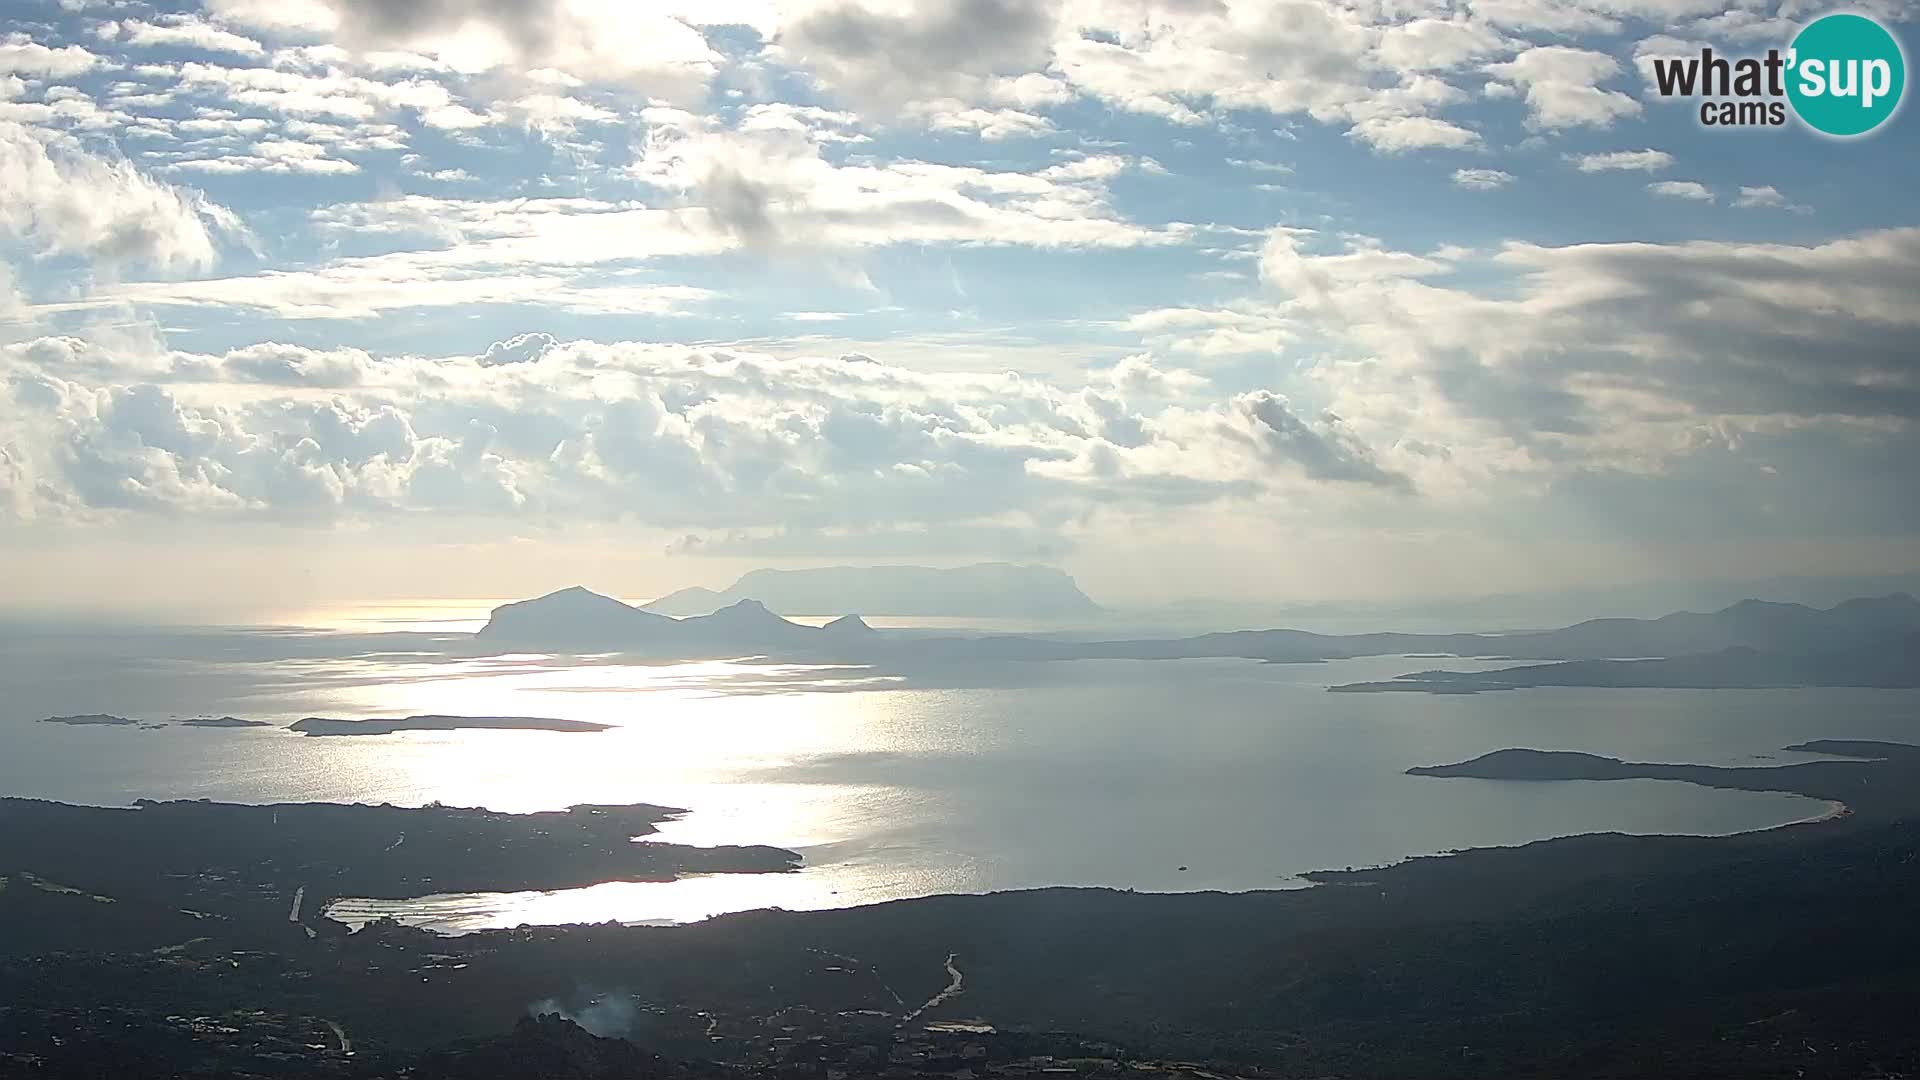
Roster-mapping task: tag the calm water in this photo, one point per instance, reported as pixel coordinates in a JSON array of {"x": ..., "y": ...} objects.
[{"x": 1112, "y": 773}]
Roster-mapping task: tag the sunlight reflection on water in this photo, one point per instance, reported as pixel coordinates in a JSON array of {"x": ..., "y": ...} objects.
[{"x": 1159, "y": 776}]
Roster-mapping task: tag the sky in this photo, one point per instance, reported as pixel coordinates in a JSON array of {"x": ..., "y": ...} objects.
[{"x": 350, "y": 301}]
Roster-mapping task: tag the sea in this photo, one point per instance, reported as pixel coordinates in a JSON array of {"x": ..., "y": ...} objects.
[{"x": 1148, "y": 775}]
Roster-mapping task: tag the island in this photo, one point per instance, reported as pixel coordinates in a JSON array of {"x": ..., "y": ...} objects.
[
  {"x": 109, "y": 720},
  {"x": 1880, "y": 780},
  {"x": 321, "y": 726}
]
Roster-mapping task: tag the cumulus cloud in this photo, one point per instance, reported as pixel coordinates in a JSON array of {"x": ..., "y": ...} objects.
[
  {"x": 1326, "y": 449},
  {"x": 667, "y": 435},
  {"x": 1561, "y": 86},
  {"x": 63, "y": 200},
  {"x": 21, "y": 55},
  {"x": 520, "y": 349}
]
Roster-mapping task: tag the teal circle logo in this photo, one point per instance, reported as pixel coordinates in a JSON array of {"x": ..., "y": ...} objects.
[{"x": 1846, "y": 75}]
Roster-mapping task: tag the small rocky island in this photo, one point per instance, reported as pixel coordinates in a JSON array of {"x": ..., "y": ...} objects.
[
  {"x": 1876, "y": 780},
  {"x": 223, "y": 722},
  {"x": 325, "y": 726}
]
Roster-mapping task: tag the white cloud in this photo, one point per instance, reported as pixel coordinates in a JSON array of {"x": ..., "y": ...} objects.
[
  {"x": 1566, "y": 359},
  {"x": 1624, "y": 161},
  {"x": 1397, "y": 134},
  {"x": 1481, "y": 179},
  {"x": 1562, "y": 87},
  {"x": 558, "y": 114},
  {"x": 183, "y": 31},
  {"x": 364, "y": 287},
  {"x": 1551, "y": 16},
  {"x": 62, "y": 200},
  {"x": 989, "y": 124},
  {"x": 1682, "y": 189},
  {"x": 1766, "y": 197},
  {"x": 1239, "y": 330},
  {"x": 644, "y": 47},
  {"x": 21, "y": 55},
  {"x": 271, "y": 156},
  {"x": 667, "y": 435},
  {"x": 1430, "y": 44}
]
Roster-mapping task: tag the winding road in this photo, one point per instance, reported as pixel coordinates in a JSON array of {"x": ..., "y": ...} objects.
[{"x": 954, "y": 981}]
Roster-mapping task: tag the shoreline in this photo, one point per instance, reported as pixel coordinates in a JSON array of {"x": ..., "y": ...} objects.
[
  {"x": 1389, "y": 976},
  {"x": 322, "y": 901},
  {"x": 1834, "y": 809}
]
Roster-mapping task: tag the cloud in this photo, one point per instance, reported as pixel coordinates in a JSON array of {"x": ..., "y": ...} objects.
[
  {"x": 1430, "y": 44},
  {"x": 882, "y": 57},
  {"x": 1682, "y": 189},
  {"x": 520, "y": 349},
  {"x": 1325, "y": 449},
  {"x": 1397, "y": 134},
  {"x": 1562, "y": 87},
  {"x": 1766, "y": 197},
  {"x": 359, "y": 288},
  {"x": 672, "y": 436},
  {"x": 1623, "y": 161},
  {"x": 21, "y": 55},
  {"x": 271, "y": 156},
  {"x": 62, "y": 200},
  {"x": 1331, "y": 63},
  {"x": 1481, "y": 179},
  {"x": 332, "y": 94},
  {"x": 649, "y": 48},
  {"x": 1621, "y": 356},
  {"x": 992, "y": 125},
  {"x": 180, "y": 32}
]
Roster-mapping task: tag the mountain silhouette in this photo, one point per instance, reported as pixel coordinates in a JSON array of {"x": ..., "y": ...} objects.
[
  {"x": 579, "y": 619},
  {"x": 1861, "y": 642},
  {"x": 1891, "y": 661}
]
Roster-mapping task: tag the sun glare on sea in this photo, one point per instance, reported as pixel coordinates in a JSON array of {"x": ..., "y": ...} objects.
[{"x": 458, "y": 616}]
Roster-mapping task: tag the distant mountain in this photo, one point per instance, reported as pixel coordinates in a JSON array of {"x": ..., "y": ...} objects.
[
  {"x": 1889, "y": 662},
  {"x": 1851, "y": 641},
  {"x": 577, "y": 619},
  {"x": 1755, "y": 624},
  {"x": 1773, "y": 628},
  {"x": 984, "y": 590}
]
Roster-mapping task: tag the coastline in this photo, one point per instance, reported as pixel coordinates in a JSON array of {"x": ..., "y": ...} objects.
[{"x": 1406, "y": 965}]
